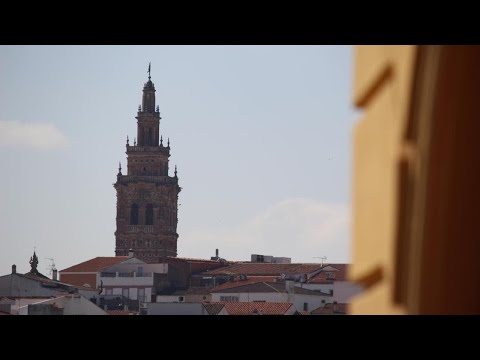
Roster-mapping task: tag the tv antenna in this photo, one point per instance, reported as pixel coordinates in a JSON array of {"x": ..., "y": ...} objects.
[
  {"x": 51, "y": 267},
  {"x": 322, "y": 258}
]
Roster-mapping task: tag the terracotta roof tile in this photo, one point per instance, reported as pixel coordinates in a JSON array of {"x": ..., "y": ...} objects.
[
  {"x": 250, "y": 280},
  {"x": 258, "y": 287},
  {"x": 96, "y": 264},
  {"x": 264, "y": 269},
  {"x": 266, "y": 287},
  {"x": 194, "y": 291},
  {"x": 257, "y": 308},
  {"x": 327, "y": 276},
  {"x": 213, "y": 308},
  {"x": 328, "y": 309},
  {"x": 120, "y": 312},
  {"x": 192, "y": 259},
  {"x": 322, "y": 311},
  {"x": 302, "y": 313}
]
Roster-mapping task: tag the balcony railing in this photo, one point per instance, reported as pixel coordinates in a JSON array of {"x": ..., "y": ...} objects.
[
  {"x": 125, "y": 274},
  {"x": 140, "y": 228},
  {"x": 145, "y": 274},
  {"x": 164, "y": 149},
  {"x": 146, "y": 178},
  {"x": 107, "y": 274}
]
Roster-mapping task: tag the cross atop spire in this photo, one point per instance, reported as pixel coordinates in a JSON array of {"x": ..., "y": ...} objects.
[{"x": 149, "y": 67}]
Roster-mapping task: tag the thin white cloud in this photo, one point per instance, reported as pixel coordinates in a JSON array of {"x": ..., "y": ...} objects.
[
  {"x": 300, "y": 228},
  {"x": 38, "y": 136}
]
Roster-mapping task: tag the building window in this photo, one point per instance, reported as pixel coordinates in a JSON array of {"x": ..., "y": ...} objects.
[
  {"x": 141, "y": 294},
  {"x": 108, "y": 292},
  {"x": 125, "y": 292},
  {"x": 134, "y": 215},
  {"x": 181, "y": 298},
  {"x": 229, "y": 298},
  {"x": 149, "y": 215},
  {"x": 330, "y": 275},
  {"x": 150, "y": 137},
  {"x": 305, "y": 306}
]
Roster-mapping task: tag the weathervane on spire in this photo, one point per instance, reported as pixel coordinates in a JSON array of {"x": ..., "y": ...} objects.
[{"x": 149, "y": 65}]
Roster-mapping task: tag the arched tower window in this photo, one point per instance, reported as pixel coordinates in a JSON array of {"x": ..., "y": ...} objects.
[
  {"x": 134, "y": 215},
  {"x": 149, "y": 215},
  {"x": 150, "y": 137}
]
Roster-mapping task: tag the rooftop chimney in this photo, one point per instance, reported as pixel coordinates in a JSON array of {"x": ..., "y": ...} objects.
[
  {"x": 290, "y": 286},
  {"x": 14, "y": 269},
  {"x": 216, "y": 258},
  {"x": 54, "y": 274},
  {"x": 130, "y": 253}
]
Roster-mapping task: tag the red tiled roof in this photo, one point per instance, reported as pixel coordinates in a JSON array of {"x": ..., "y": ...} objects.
[
  {"x": 258, "y": 287},
  {"x": 257, "y": 308},
  {"x": 303, "y": 313},
  {"x": 328, "y": 309},
  {"x": 250, "y": 280},
  {"x": 340, "y": 308},
  {"x": 213, "y": 308},
  {"x": 265, "y": 269},
  {"x": 54, "y": 282},
  {"x": 96, "y": 264},
  {"x": 120, "y": 312},
  {"x": 191, "y": 259},
  {"x": 197, "y": 290},
  {"x": 324, "y": 278},
  {"x": 267, "y": 287},
  {"x": 322, "y": 311}
]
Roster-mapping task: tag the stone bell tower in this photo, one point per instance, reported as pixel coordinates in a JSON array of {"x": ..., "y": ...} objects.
[{"x": 147, "y": 196}]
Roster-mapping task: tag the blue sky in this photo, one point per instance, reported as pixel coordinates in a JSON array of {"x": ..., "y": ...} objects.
[{"x": 261, "y": 136}]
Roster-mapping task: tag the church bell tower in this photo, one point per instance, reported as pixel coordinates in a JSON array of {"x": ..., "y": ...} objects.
[{"x": 147, "y": 196}]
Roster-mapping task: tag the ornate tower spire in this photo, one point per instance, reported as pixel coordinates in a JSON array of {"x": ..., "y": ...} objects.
[
  {"x": 33, "y": 267},
  {"x": 148, "y": 103},
  {"x": 148, "y": 125},
  {"x": 33, "y": 262},
  {"x": 147, "y": 196}
]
